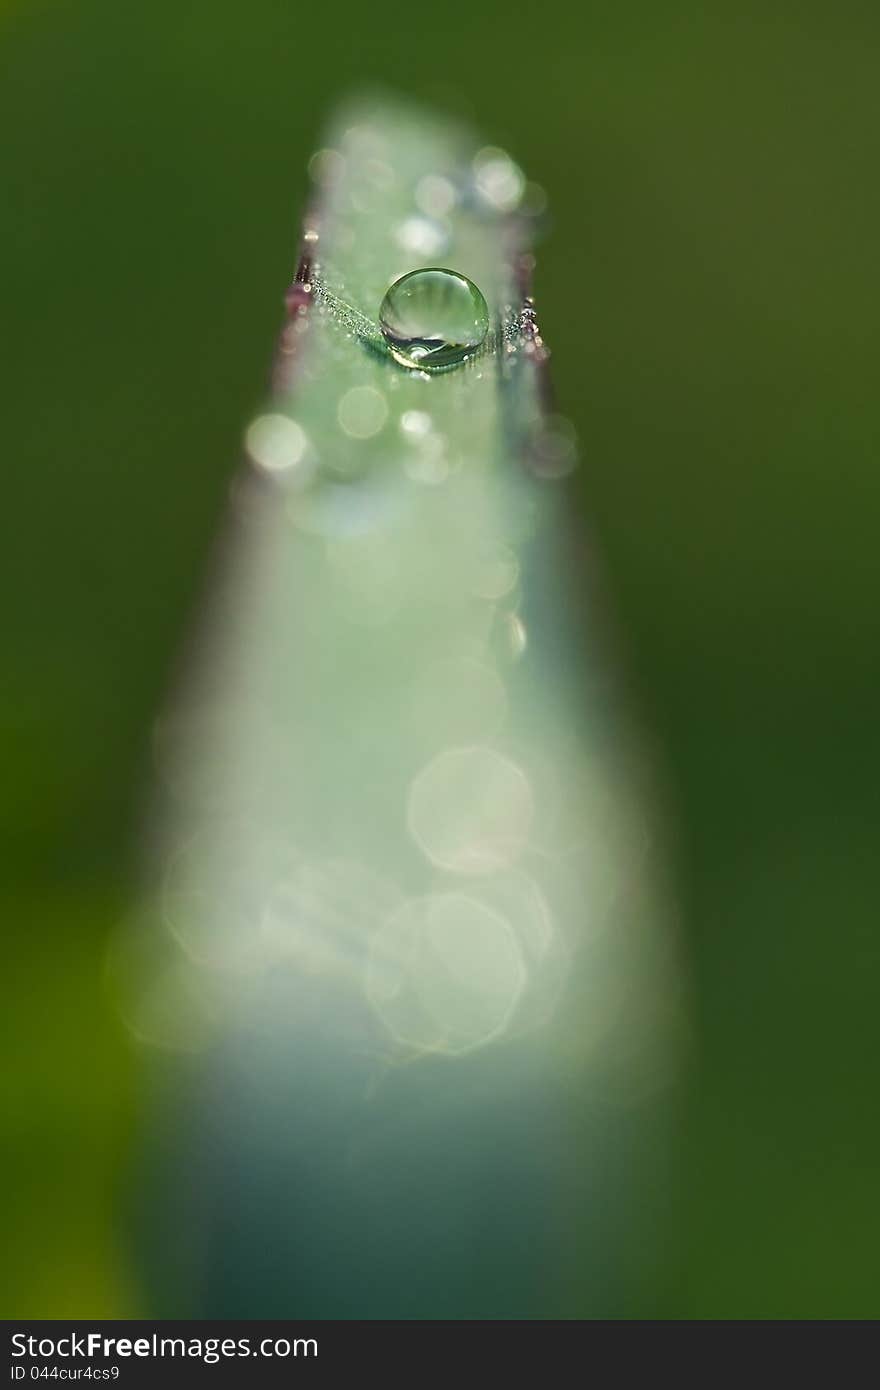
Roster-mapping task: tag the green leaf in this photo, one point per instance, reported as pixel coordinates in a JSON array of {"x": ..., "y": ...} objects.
[{"x": 400, "y": 820}]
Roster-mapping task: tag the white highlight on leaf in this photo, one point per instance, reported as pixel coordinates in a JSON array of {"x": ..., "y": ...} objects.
[
  {"x": 362, "y": 412},
  {"x": 276, "y": 443},
  {"x": 470, "y": 810}
]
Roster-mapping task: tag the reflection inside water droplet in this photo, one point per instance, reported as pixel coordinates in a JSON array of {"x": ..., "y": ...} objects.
[{"x": 433, "y": 318}]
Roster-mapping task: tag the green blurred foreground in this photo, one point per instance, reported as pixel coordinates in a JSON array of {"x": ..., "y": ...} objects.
[{"x": 710, "y": 294}]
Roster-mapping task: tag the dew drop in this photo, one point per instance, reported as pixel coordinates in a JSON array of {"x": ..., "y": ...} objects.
[
  {"x": 362, "y": 412},
  {"x": 435, "y": 195},
  {"x": 422, "y": 236},
  {"x": 433, "y": 318},
  {"x": 500, "y": 182},
  {"x": 276, "y": 444}
]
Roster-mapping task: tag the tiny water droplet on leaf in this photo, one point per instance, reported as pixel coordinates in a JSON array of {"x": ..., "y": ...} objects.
[{"x": 433, "y": 318}]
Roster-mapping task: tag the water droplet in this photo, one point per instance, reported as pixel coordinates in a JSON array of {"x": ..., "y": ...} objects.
[
  {"x": 415, "y": 423},
  {"x": 277, "y": 444},
  {"x": 422, "y": 236},
  {"x": 298, "y": 297},
  {"x": 445, "y": 973},
  {"x": 362, "y": 412},
  {"x": 500, "y": 182},
  {"x": 435, "y": 195},
  {"x": 470, "y": 810},
  {"x": 433, "y": 318},
  {"x": 326, "y": 167}
]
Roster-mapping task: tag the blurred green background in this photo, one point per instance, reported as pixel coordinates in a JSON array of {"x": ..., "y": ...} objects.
[{"x": 710, "y": 293}]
